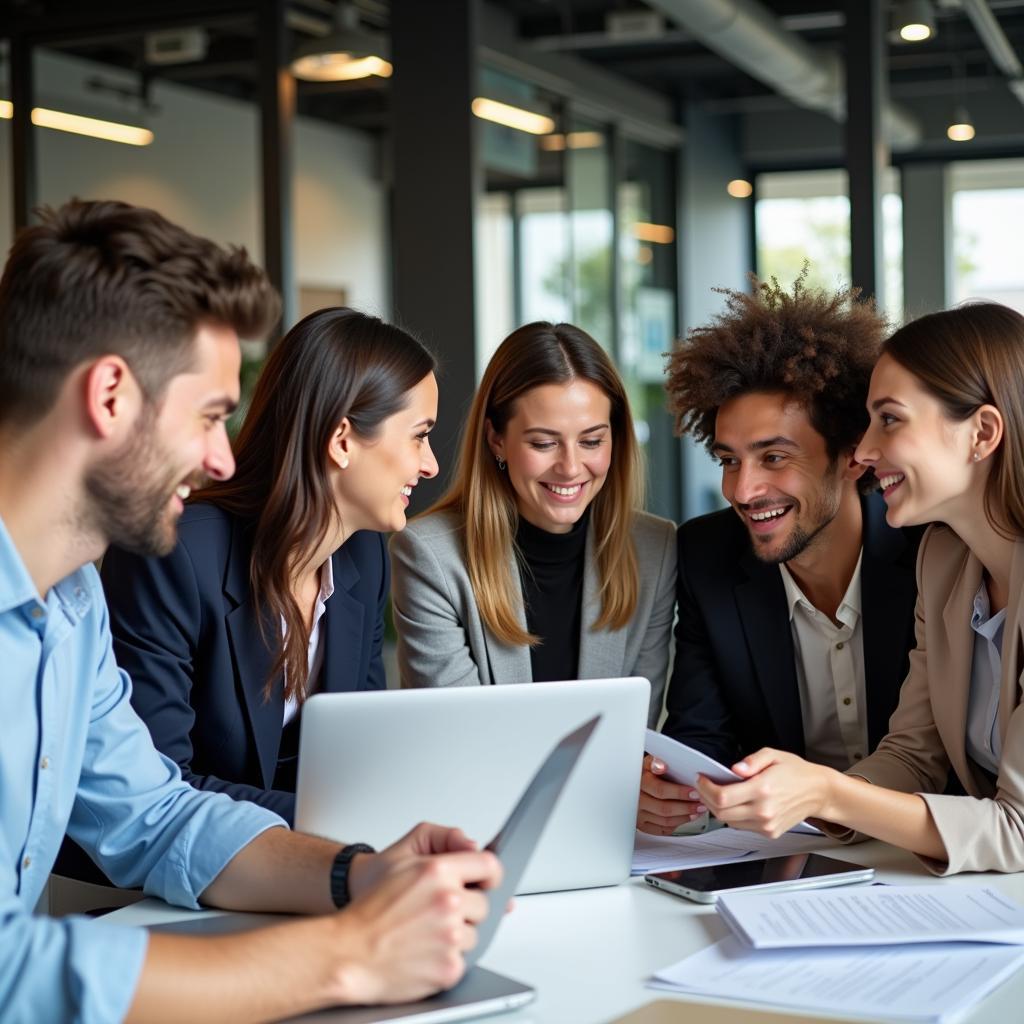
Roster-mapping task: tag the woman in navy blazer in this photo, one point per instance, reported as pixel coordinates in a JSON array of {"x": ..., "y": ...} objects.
[{"x": 292, "y": 545}]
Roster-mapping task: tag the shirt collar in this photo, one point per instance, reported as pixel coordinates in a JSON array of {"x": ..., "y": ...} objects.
[
  {"x": 16, "y": 586},
  {"x": 850, "y": 602},
  {"x": 327, "y": 579},
  {"x": 982, "y": 619},
  {"x": 326, "y": 590}
]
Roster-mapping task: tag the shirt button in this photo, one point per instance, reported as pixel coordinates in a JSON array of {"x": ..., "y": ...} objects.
[
  {"x": 37, "y": 613},
  {"x": 858, "y": 757},
  {"x": 839, "y": 646},
  {"x": 27, "y": 862},
  {"x": 45, "y": 763},
  {"x": 847, "y": 701}
]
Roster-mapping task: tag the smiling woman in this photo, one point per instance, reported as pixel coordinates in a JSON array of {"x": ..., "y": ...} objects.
[
  {"x": 539, "y": 563},
  {"x": 289, "y": 549}
]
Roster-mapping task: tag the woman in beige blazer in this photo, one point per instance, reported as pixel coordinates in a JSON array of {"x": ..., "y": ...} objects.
[
  {"x": 538, "y": 563},
  {"x": 946, "y": 442}
]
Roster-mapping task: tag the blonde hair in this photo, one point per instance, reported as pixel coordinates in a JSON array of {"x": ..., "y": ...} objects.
[{"x": 482, "y": 496}]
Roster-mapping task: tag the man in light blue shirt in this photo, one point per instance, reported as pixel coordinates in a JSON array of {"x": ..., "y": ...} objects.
[{"x": 119, "y": 362}]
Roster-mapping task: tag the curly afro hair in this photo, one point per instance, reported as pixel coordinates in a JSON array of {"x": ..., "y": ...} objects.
[{"x": 817, "y": 347}]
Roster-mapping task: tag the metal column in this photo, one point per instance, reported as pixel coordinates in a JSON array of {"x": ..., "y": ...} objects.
[
  {"x": 436, "y": 184},
  {"x": 277, "y": 112},
  {"x": 927, "y": 238},
  {"x": 867, "y": 154},
  {"x": 23, "y": 143}
]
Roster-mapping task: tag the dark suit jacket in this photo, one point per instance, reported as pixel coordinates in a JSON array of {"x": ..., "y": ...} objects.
[
  {"x": 185, "y": 629},
  {"x": 734, "y": 687}
]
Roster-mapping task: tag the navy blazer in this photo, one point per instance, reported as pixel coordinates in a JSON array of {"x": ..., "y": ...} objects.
[
  {"x": 734, "y": 687},
  {"x": 186, "y": 630}
]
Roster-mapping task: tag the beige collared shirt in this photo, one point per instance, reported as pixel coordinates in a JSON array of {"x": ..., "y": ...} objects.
[{"x": 829, "y": 661}]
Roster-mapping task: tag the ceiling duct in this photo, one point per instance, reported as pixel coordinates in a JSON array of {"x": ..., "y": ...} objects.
[
  {"x": 749, "y": 36},
  {"x": 999, "y": 48}
]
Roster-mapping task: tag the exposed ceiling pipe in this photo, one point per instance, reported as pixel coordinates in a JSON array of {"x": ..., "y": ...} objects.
[
  {"x": 998, "y": 46},
  {"x": 749, "y": 36}
]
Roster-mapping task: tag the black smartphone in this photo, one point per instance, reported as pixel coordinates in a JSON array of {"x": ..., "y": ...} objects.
[{"x": 775, "y": 874}]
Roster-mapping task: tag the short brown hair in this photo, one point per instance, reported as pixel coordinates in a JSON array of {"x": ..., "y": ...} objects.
[
  {"x": 96, "y": 278},
  {"x": 482, "y": 496},
  {"x": 818, "y": 347},
  {"x": 966, "y": 358}
]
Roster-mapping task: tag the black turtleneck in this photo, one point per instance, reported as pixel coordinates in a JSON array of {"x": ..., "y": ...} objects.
[{"x": 551, "y": 569}]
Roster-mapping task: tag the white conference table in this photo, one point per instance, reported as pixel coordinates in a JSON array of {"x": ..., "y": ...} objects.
[{"x": 589, "y": 952}]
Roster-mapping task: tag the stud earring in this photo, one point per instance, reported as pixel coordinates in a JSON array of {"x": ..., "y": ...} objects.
[
  {"x": 976, "y": 457},
  {"x": 501, "y": 463},
  {"x": 344, "y": 462}
]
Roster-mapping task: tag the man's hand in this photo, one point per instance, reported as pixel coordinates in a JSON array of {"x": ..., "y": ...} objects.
[
  {"x": 370, "y": 869},
  {"x": 780, "y": 790},
  {"x": 404, "y": 937},
  {"x": 664, "y": 806}
]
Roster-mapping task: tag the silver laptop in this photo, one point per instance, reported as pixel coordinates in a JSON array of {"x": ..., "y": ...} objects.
[
  {"x": 371, "y": 764},
  {"x": 481, "y": 992}
]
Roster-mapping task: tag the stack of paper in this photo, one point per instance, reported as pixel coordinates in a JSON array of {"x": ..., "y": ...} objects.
[
  {"x": 933, "y": 983},
  {"x": 873, "y": 916},
  {"x": 684, "y": 764},
  {"x": 914, "y": 953}
]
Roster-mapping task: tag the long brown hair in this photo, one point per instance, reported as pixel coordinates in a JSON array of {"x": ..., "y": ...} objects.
[
  {"x": 483, "y": 498},
  {"x": 335, "y": 363},
  {"x": 966, "y": 358}
]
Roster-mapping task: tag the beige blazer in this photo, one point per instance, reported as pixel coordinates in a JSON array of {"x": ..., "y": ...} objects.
[
  {"x": 442, "y": 640},
  {"x": 983, "y": 831}
]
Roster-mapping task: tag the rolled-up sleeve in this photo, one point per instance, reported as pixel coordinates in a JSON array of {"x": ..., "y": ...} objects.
[
  {"x": 95, "y": 761},
  {"x": 133, "y": 812},
  {"x": 66, "y": 969}
]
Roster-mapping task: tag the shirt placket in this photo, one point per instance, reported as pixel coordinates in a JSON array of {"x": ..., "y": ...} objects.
[
  {"x": 52, "y": 628},
  {"x": 844, "y": 679}
]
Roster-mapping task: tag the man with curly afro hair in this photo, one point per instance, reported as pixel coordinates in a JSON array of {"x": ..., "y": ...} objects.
[{"x": 796, "y": 604}]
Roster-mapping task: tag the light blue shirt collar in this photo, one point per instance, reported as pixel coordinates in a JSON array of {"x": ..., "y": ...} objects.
[{"x": 16, "y": 586}]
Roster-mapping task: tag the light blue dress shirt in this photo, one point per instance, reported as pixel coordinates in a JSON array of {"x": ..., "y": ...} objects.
[
  {"x": 74, "y": 756},
  {"x": 983, "y": 742}
]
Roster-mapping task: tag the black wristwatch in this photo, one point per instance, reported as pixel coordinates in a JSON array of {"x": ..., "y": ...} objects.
[{"x": 340, "y": 869}]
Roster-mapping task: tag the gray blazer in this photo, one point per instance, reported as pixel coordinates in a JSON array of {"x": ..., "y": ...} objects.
[{"x": 442, "y": 641}]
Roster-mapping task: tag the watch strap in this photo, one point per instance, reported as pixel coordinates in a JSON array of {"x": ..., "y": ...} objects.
[{"x": 339, "y": 872}]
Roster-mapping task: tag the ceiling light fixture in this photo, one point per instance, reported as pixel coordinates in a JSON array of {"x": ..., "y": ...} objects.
[
  {"x": 574, "y": 140},
  {"x": 661, "y": 234},
  {"x": 93, "y": 127},
  {"x": 740, "y": 188},
  {"x": 347, "y": 53},
  {"x": 913, "y": 21},
  {"x": 512, "y": 117},
  {"x": 961, "y": 128}
]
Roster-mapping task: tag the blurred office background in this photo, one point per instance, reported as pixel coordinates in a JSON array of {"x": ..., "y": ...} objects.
[{"x": 464, "y": 166}]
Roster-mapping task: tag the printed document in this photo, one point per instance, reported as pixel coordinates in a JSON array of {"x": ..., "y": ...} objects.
[
  {"x": 669, "y": 853},
  {"x": 873, "y": 916},
  {"x": 684, "y": 764},
  {"x": 929, "y": 983}
]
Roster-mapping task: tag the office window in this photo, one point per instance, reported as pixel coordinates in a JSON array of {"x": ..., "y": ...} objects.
[
  {"x": 988, "y": 200},
  {"x": 805, "y": 215}
]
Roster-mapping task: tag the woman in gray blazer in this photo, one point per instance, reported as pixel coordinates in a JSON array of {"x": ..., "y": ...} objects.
[
  {"x": 538, "y": 563},
  {"x": 946, "y": 442}
]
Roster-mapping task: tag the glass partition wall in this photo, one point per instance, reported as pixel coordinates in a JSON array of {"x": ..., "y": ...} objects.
[{"x": 578, "y": 224}]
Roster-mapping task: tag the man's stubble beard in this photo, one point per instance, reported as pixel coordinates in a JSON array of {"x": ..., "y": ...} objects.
[
  {"x": 800, "y": 539},
  {"x": 129, "y": 494}
]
